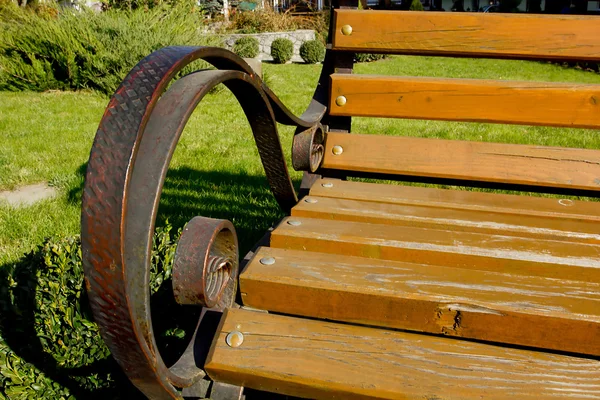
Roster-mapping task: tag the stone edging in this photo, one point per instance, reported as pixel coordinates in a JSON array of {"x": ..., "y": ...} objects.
[{"x": 265, "y": 39}]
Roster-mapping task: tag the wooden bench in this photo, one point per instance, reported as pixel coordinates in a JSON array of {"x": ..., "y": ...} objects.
[{"x": 366, "y": 290}]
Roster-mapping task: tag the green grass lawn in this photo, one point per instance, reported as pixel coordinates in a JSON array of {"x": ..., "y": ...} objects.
[{"x": 216, "y": 170}]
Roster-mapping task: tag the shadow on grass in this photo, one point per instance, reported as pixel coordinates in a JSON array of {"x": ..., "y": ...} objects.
[
  {"x": 239, "y": 197},
  {"x": 243, "y": 199},
  {"x": 19, "y": 316}
]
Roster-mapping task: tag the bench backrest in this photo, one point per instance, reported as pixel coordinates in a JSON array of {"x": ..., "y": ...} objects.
[{"x": 476, "y": 35}]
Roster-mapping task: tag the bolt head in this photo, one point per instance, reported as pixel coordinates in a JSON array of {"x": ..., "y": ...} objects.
[
  {"x": 327, "y": 185},
  {"x": 337, "y": 150},
  {"x": 340, "y": 101},
  {"x": 234, "y": 339},
  {"x": 294, "y": 222},
  {"x": 267, "y": 261},
  {"x": 346, "y": 30},
  {"x": 310, "y": 200}
]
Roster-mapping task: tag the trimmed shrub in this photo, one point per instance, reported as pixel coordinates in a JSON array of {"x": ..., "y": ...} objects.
[
  {"x": 246, "y": 47},
  {"x": 50, "y": 347},
  {"x": 312, "y": 51},
  {"x": 416, "y": 5},
  {"x": 88, "y": 50},
  {"x": 368, "y": 57},
  {"x": 282, "y": 50}
]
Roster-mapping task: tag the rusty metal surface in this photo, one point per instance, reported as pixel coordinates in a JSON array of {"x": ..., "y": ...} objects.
[
  {"x": 307, "y": 150},
  {"x": 128, "y": 162},
  {"x": 225, "y": 391},
  {"x": 206, "y": 263}
]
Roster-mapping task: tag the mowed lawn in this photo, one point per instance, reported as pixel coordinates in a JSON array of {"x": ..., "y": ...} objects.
[{"x": 216, "y": 172}]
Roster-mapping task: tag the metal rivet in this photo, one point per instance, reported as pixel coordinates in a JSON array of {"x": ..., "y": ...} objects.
[
  {"x": 340, "y": 101},
  {"x": 337, "y": 150},
  {"x": 346, "y": 30},
  {"x": 234, "y": 339},
  {"x": 327, "y": 185},
  {"x": 294, "y": 223},
  {"x": 267, "y": 261},
  {"x": 310, "y": 200}
]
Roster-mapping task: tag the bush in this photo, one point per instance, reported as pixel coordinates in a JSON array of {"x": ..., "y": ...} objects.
[
  {"x": 318, "y": 22},
  {"x": 368, "y": 57},
  {"x": 87, "y": 50},
  {"x": 416, "y": 5},
  {"x": 312, "y": 51},
  {"x": 246, "y": 47},
  {"x": 282, "y": 50},
  {"x": 49, "y": 345},
  {"x": 265, "y": 20}
]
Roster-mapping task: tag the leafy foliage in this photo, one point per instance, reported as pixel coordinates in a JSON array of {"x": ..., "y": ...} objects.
[
  {"x": 282, "y": 50},
  {"x": 416, "y": 5},
  {"x": 368, "y": 57},
  {"x": 264, "y": 20},
  {"x": 87, "y": 50},
  {"x": 211, "y": 7},
  {"x": 50, "y": 346},
  {"x": 246, "y": 47},
  {"x": 312, "y": 51},
  {"x": 267, "y": 20}
]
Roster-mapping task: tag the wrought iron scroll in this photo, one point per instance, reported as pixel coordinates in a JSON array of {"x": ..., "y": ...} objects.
[{"x": 127, "y": 167}]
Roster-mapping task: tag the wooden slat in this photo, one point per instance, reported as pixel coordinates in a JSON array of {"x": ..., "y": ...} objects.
[
  {"x": 469, "y": 34},
  {"x": 490, "y": 306},
  {"x": 324, "y": 360},
  {"x": 448, "y": 219},
  {"x": 529, "y": 103},
  {"x": 554, "y": 167},
  {"x": 489, "y": 203},
  {"x": 497, "y": 253}
]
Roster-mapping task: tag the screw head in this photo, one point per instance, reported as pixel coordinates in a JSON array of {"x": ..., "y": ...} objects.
[
  {"x": 337, "y": 150},
  {"x": 294, "y": 222},
  {"x": 234, "y": 339},
  {"x": 310, "y": 200},
  {"x": 327, "y": 185},
  {"x": 346, "y": 30},
  {"x": 340, "y": 101},
  {"x": 267, "y": 261}
]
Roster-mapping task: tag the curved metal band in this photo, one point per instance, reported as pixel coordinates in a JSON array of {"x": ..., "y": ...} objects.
[{"x": 124, "y": 180}]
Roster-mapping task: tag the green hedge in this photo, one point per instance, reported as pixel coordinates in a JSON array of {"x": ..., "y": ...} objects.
[
  {"x": 368, "y": 57},
  {"x": 312, "y": 51},
  {"x": 87, "y": 50},
  {"x": 282, "y": 50},
  {"x": 416, "y": 5},
  {"x": 246, "y": 47},
  {"x": 50, "y": 348}
]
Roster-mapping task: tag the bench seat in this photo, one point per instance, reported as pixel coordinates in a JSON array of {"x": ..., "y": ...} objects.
[
  {"x": 503, "y": 270},
  {"x": 325, "y": 360}
]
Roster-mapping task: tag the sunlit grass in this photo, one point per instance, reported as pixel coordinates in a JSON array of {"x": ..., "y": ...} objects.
[{"x": 216, "y": 170}]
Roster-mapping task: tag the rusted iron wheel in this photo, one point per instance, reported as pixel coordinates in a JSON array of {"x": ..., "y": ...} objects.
[{"x": 127, "y": 167}]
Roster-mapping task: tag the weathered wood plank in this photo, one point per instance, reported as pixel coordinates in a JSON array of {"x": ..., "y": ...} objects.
[
  {"x": 489, "y": 203},
  {"x": 555, "y": 167},
  {"x": 498, "y": 253},
  {"x": 490, "y": 306},
  {"x": 324, "y": 360},
  {"x": 328, "y": 208},
  {"x": 527, "y": 103},
  {"x": 469, "y": 34}
]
